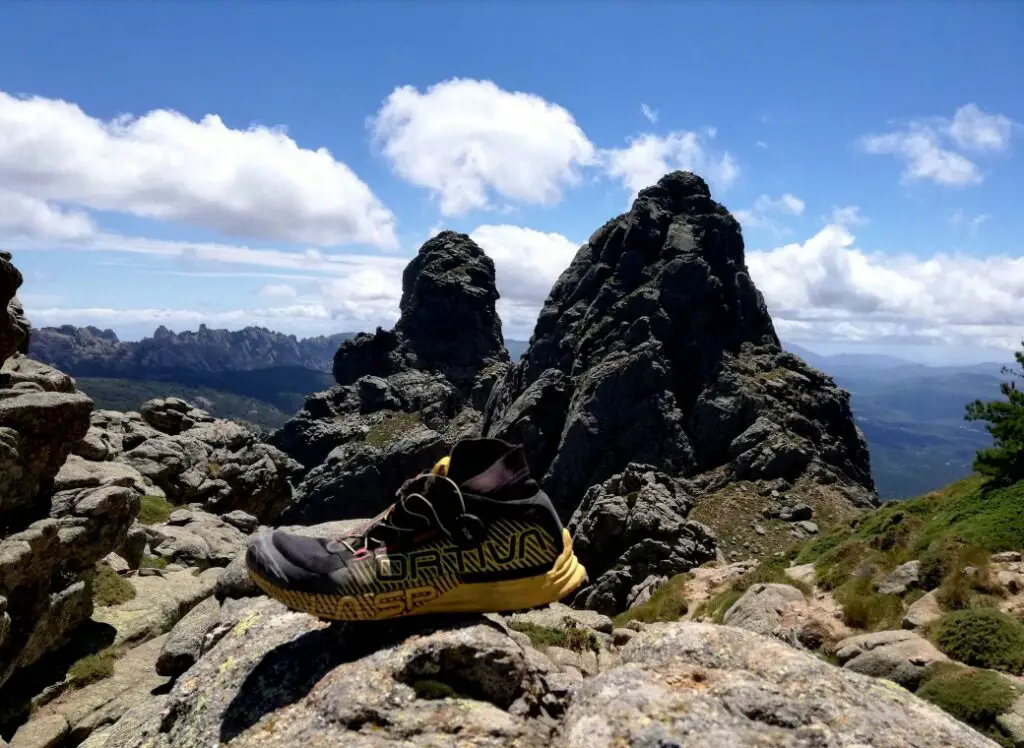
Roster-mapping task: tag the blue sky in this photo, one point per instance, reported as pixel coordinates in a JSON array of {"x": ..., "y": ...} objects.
[{"x": 870, "y": 150}]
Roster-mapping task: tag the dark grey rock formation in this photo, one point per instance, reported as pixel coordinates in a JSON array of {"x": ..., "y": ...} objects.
[
  {"x": 655, "y": 347},
  {"x": 633, "y": 527},
  {"x": 404, "y": 396}
]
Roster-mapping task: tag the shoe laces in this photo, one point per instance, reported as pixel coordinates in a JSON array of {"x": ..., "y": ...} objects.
[{"x": 385, "y": 520}]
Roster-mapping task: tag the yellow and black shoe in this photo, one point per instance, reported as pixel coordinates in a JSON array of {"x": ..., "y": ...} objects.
[{"x": 475, "y": 535}]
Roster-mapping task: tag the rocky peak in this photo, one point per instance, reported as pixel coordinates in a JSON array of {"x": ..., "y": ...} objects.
[
  {"x": 449, "y": 323},
  {"x": 655, "y": 346},
  {"x": 14, "y": 329}
]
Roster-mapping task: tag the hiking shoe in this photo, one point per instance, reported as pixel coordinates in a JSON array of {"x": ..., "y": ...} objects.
[{"x": 474, "y": 535}]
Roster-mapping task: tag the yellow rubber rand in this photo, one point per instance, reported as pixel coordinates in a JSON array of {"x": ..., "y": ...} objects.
[{"x": 564, "y": 577}]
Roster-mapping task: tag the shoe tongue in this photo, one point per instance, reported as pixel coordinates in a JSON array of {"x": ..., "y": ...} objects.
[{"x": 483, "y": 466}]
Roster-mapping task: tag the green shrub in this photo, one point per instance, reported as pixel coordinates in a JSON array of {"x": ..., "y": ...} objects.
[
  {"x": 864, "y": 608},
  {"x": 110, "y": 588},
  {"x": 719, "y": 605},
  {"x": 982, "y": 637},
  {"x": 572, "y": 637},
  {"x": 936, "y": 564},
  {"x": 667, "y": 603},
  {"x": 92, "y": 668},
  {"x": 975, "y": 697},
  {"x": 154, "y": 509}
]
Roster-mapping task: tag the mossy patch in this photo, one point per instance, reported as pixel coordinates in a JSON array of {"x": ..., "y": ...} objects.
[
  {"x": 975, "y": 697},
  {"x": 576, "y": 638},
  {"x": 110, "y": 588},
  {"x": 154, "y": 510},
  {"x": 153, "y": 562},
  {"x": 982, "y": 637},
  {"x": 392, "y": 427},
  {"x": 667, "y": 603},
  {"x": 90, "y": 669},
  {"x": 433, "y": 689}
]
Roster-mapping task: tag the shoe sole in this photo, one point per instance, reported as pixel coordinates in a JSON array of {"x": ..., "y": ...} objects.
[{"x": 564, "y": 577}]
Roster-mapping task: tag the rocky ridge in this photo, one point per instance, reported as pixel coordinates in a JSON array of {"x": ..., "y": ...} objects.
[
  {"x": 51, "y": 535},
  {"x": 92, "y": 352}
]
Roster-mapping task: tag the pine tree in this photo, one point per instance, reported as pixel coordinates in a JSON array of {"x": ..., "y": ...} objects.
[{"x": 1003, "y": 462}]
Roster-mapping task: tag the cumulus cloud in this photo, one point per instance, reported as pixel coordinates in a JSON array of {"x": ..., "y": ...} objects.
[
  {"x": 766, "y": 208},
  {"x": 648, "y": 157},
  {"x": 974, "y": 129},
  {"x": 827, "y": 289},
  {"x": 22, "y": 215},
  {"x": 278, "y": 291},
  {"x": 469, "y": 141},
  {"x": 925, "y": 146},
  {"x": 527, "y": 263},
  {"x": 255, "y": 183}
]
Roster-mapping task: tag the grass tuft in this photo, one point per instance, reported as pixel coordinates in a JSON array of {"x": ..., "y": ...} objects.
[
  {"x": 110, "y": 588},
  {"x": 573, "y": 637},
  {"x": 154, "y": 510},
  {"x": 667, "y": 603}
]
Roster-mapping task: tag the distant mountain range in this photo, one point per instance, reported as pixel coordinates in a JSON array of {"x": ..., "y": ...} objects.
[{"x": 911, "y": 414}]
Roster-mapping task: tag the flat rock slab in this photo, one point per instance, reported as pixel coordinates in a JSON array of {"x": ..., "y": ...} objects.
[
  {"x": 44, "y": 732},
  {"x": 160, "y": 602},
  {"x": 99, "y": 704}
]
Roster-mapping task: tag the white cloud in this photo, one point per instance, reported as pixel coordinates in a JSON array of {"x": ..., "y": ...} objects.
[
  {"x": 649, "y": 157},
  {"x": 761, "y": 144},
  {"x": 650, "y": 114},
  {"x": 765, "y": 207},
  {"x": 959, "y": 219},
  {"x": 788, "y": 204},
  {"x": 255, "y": 183},
  {"x": 278, "y": 291},
  {"x": 21, "y": 215},
  {"x": 847, "y": 215},
  {"x": 921, "y": 145},
  {"x": 972, "y": 128},
  {"x": 469, "y": 140},
  {"x": 527, "y": 263},
  {"x": 828, "y": 289}
]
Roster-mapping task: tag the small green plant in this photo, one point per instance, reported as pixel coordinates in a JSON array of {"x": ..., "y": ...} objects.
[
  {"x": 667, "y": 603},
  {"x": 982, "y": 637},
  {"x": 864, "y": 608},
  {"x": 154, "y": 509},
  {"x": 153, "y": 562},
  {"x": 110, "y": 588},
  {"x": 975, "y": 697},
  {"x": 92, "y": 668},
  {"x": 572, "y": 637},
  {"x": 390, "y": 428}
]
